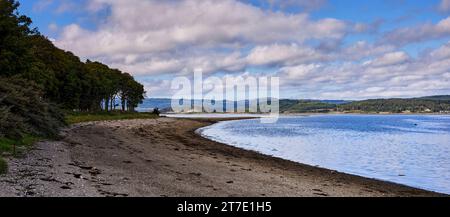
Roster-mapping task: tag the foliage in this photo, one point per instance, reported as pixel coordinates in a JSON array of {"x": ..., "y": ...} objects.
[
  {"x": 107, "y": 85},
  {"x": 15, "y": 55},
  {"x": 6, "y": 145},
  {"x": 3, "y": 166},
  {"x": 416, "y": 105},
  {"x": 157, "y": 112},
  {"x": 24, "y": 111},
  {"x": 37, "y": 79},
  {"x": 305, "y": 106}
]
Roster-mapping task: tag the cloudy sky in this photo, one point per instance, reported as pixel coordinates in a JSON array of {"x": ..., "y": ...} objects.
[{"x": 322, "y": 49}]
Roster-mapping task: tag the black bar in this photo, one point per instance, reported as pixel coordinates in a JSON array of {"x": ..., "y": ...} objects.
[{"x": 226, "y": 206}]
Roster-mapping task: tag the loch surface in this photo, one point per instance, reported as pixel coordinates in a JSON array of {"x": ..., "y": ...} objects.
[{"x": 408, "y": 149}]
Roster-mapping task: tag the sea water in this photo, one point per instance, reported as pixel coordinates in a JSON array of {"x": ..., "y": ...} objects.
[{"x": 408, "y": 149}]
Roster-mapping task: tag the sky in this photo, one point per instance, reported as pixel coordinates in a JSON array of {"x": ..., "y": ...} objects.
[{"x": 320, "y": 49}]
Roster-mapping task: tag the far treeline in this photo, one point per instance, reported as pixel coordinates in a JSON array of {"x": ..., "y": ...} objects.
[
  {"x": 39, "y": 82},
  {"x": 432, "y": 104}
]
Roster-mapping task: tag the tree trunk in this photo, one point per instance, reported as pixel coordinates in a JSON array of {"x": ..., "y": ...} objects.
[
  {"x": 112, "y": 102},
  {"x": 106, "y": 104}
]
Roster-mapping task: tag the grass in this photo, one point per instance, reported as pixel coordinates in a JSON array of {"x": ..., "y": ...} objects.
[
  {"x": 74, "y": 118},
  {"x": 7, "y": 146}
]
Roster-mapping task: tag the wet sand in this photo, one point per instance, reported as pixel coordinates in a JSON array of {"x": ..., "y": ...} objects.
[{"x": 164, "y": 157}]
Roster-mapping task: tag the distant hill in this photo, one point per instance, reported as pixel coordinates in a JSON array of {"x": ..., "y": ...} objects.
[
  {"x": 150, "y": 104},
  {"x": 337, "y": 102},
  {"x": 415, "y": 105},
  {"x": 441, "y": 97},
  {"x": 427, "y": 104},
  {"x": 305, "y": 106}
]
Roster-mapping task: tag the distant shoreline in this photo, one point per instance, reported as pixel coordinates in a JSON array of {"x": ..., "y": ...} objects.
[
  {"x": 362, "y": 113},
  {"x": 300, "y": 114}
]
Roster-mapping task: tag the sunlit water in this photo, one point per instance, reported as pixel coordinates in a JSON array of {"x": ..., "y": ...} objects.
[{"x": 406, "y": 149}]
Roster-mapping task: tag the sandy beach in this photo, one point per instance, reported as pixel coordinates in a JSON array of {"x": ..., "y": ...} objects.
[{"x": 164, "y": 157}]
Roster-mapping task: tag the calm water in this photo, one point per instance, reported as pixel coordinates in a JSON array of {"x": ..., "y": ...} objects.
[{"x": 406, "y": 149}]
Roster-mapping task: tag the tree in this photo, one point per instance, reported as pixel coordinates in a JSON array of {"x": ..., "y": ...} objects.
[
  {"x": 24, "y": 111},
  {"x": 132, "y": 93},
  {"x": 115, "y": 85},
  {"x": 15, "y": 55},
  {"x": 136, "y": 95},
  {"x": 37, "y": 79}
]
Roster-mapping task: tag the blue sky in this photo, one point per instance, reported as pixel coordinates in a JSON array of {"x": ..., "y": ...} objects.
[
  {"x": 375, "y": 48},
  {"x": 392, "y": 14}
]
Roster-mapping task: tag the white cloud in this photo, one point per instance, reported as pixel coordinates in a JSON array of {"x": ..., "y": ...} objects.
[
  {"x": 390, "y": 59},
  {"x": 444, "y": 6},
  {"x": 282, "y": 54},
  {"x": 174, "y": 64},
  {"x": 61, "y": 6},
  {"x": 312, "y": 57},
  {"x": 53, "y": 27},
  {"x": 441, "y": 53},
  {"x": 300, "y": 72},
  {"x": 419, "y": 33},
  {"x": 153, "y": 26},
  {"x": 362, "y": 49},
  {"x": 304, "y": 4},
  {"x": 393, "y": 74}
]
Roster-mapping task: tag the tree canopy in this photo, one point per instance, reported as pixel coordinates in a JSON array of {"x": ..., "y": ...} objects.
[
  {"x": 416, "y": 105},
  {"x": 36, "y": 73}
]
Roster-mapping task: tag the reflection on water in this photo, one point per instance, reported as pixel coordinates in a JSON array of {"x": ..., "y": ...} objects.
[{"x": 407, "y": 149}]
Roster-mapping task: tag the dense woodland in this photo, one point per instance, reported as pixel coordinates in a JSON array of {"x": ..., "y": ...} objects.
[
  {"x": 39, "y": 82},
  {"x": 305, "y": 106},
  {"x": 432, "y": 104},
  {"x": 416, "y": 105}
]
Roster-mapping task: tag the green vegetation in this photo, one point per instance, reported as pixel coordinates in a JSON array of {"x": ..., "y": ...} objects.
[
  {"x": 415, "y": 105},
  {"x": 305, "y": 106},
  {"x": 60, "y": 75},
  {"x": 6, "y": 145},
  {"x": 431, "y": 104},
  {"x": 24, "y": 111},
  {"x": 107, "y": 116},
  {"x": 445, "y": 98},
  {"x": 3, "y": 166},
  {"x": 40, "y": 82}
]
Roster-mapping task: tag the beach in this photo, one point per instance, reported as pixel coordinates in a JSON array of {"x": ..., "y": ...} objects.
[{"x": 164, "y": 157}]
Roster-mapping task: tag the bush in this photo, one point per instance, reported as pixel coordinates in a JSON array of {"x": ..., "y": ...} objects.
[
  {"x": 23, "y": 110},
  {"x": 156, "y": 112},
  {"x": 3, "y": 166}
]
